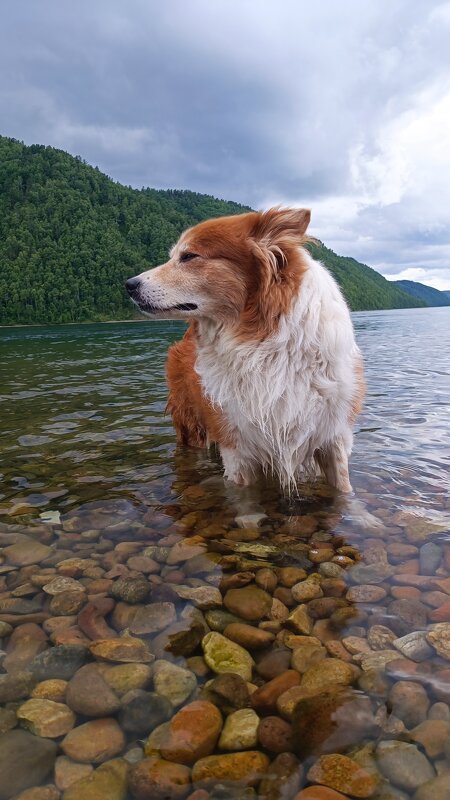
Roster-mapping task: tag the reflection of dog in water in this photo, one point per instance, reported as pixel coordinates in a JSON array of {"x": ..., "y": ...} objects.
[{"x": 268, "y": 369}]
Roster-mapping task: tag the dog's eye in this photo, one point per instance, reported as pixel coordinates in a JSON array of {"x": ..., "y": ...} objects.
[{"x": 188, "y": 256}]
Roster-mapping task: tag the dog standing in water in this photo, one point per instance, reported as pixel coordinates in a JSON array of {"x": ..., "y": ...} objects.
[{"x": 268, "y": 369}]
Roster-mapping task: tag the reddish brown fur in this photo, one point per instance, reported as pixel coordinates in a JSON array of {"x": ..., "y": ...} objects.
[{"x": 255, "y": 265}]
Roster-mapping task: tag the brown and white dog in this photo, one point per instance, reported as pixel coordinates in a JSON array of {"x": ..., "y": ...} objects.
[{"x": 268, "y": 369}]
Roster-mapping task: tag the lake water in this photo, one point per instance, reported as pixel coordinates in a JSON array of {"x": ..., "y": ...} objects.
[{"x": 121, "y": 548}]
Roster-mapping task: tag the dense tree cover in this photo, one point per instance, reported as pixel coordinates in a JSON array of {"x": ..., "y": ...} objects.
[
  {"x": 431, "y": 296},
  {"x": 70, "y": 236}
]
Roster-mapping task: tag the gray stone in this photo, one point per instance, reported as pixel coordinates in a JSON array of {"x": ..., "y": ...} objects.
[
  {"x": 142, "y": 712},
  {"x": 58, "y": 662},
  {"x": 25, "y": 761},
  {"x": 90, "y": 695},
  {"x": 403, "y": 764},
  {"x": 414, "y": 645},
  {"x": 430, "y": 555},
  {"x": 16, "y": 686}
]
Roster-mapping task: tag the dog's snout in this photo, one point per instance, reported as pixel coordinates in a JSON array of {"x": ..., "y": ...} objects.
[{"x": 132, "y": 284}]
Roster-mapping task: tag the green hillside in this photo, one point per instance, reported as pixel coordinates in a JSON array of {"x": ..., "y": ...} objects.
[
  {"x": 431, "y": 296},
  {"x": 70, "y": 236}
]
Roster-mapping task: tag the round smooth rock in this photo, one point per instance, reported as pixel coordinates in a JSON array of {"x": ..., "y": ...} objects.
[
  {"x": 248, "y": 636},
  {"x": 46, "y": 718},
  {"x": 124, "y": 677},
  {"x": 246, "y": 767},
  {"x": 240, "y": 731},
  {"x": 131, "y": 590},
  {"x": 90, "y": 695},
  {"x": 68, "y": 772},
  {"x": 16, "y": 687},
  {"x": 142, "y": 711},
  {"x": 107, "y": 781},
  {"x": 173, "y": 682},
  {"x": 414, "y": 645},
  {"x": 192, "y": 733},
  {"x": 156, "y": 779},
  {"x": 58, "y": 662},
  {"x": 331, "y": 722},
  {"x": 25, "y": 760},
  {"x": 94, "y": 742},
  {"x": 326, "y": 673},
  {"x": 124, "y": 649},
  {"x": 223, "y": 655},
  {"x": 251, "y": 603},
  {"x": 344, "y": 775},
  {"x": 275, "y": 735},
  {"x": 283, "y": 778},
  {"x": 153, "y": 618},
  {"x": 439, "y": 638},
  {"x": 403, "y": 764},
  {"x": 409, "y": 701}
]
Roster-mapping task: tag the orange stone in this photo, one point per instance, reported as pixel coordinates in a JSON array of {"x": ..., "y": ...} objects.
[{"x": 192, "y": 733}]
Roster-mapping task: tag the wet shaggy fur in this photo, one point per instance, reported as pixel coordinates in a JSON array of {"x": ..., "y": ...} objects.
[{"x": 268, "y": 369}]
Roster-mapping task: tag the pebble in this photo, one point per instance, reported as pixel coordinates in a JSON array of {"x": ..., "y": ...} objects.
[
  {"x": 283, "y": 778},
  {"x": 266, "y": 579},
  {"x": 94, "y": 742},
  {"x": 306, "y": 590},
  {"x": 320, "y": 793},
  {"x": 414, "y": 645},
  {"x": 90, "y": 695},
  {"x": 229, "y": 692},
  {"x": 370, "y": 573},
  {"x": 156, "y": 779},
  {"x": 109, "y": 781},
  {"x": 435, "y": 789},
  {"x": 306, "y": 656},
  {"x": 331, "y": 722},
  {"x": 274, "y": 663},
  {"x": 91, "y": 619},
  {"x": 203, "y": 597},
  {"x": 174, "y": 683},
  {"x": 265, "y": 697},
  {"x": 300, "y": 621},
  {"x": 26, "y": 552},
  {"x": 366, "y": 593},
  {"x": 16, "y": 687},
  {"x": 68, "y": 772},
  {"x": 153, "y": 618},
  {"x": 26, "y": 642},
  {"x": 58, "y": 662},
  {"x": 430, "y": 555},
  {"x": 248, "y": 636},
  {"x": 439, "y": 638},
  {"x": 344, "y": 775},
  {"x": 251, "y": 603},
  {"x": 240, "y": 731},
  {"x": 379, "y": 637},
  {"x": 124, "y": 649},
  {"x": 223, "y": 655},
  {"x": 124, "y": 677},
  {"x": 142, "y": 712},
  {"x": 39, "y": 793},
  {"x": 409, "y": 702},
  {"x": 403, "y": 764},
  {"x": 192, "y": 733},
  {"x": 275, "y": 734},
  {"x": 246, "y": 767},
  {"x": 407, "y": 615},
  {"x": 432, "y": 734},
  {"x": 46, "y": 718},
  {"x": 25, "y": 761},
  {"x": 326, "y": 673},
  {"x": 63, "y": 584}
]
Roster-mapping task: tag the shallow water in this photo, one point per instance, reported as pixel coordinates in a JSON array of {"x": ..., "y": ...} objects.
[{"x": 90, "y": 469}]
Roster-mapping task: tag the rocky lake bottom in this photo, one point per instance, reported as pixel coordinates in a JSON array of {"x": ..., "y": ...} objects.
[{"x": 167, "y": 635}]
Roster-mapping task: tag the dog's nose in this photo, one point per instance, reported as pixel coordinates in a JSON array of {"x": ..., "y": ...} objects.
[{"x": 132, "y": 284}]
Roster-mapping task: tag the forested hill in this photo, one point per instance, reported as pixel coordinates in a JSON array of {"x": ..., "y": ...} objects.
[
  {"x": 70, "y": 236},
  {"x": 431, "y": 296}
]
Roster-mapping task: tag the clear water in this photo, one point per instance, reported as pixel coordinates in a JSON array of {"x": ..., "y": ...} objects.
[{"x": 83, "y": 422}]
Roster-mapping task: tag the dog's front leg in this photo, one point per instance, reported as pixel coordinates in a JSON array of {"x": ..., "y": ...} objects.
[
  {"x": 333, "y": 461},
  {"x": 236, "y": 467}
]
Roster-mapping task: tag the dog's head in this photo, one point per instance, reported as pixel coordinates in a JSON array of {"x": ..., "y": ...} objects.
[{"x": 240, "y": 270}]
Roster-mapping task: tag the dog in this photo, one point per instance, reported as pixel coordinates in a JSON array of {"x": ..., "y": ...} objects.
[{"x": 268, "y": 369}]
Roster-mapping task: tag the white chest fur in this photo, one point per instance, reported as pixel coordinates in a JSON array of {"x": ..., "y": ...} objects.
[{"x": 292, "y": 393}]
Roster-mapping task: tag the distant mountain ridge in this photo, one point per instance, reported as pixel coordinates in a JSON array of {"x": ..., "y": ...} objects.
[
  {"x": 430, "y": 295},
  {"x": 70, "y": 236}
]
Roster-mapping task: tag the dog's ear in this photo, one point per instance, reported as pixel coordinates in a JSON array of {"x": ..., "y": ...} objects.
[{"x": 276, "y": 232}]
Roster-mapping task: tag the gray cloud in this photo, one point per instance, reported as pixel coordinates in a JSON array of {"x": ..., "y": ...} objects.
[{"x": 344, "y": 107}]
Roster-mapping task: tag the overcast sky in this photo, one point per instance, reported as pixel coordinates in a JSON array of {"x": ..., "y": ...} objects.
[{"x": 339, "y": 105}]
